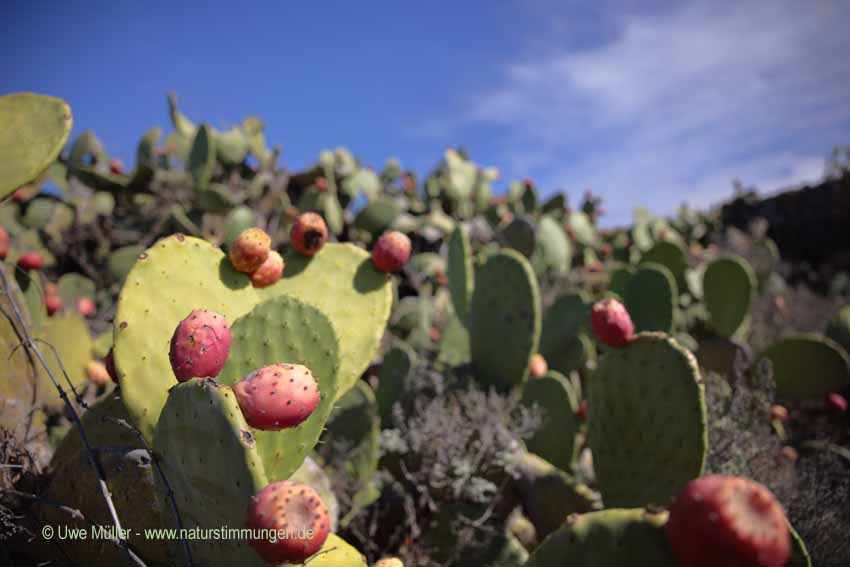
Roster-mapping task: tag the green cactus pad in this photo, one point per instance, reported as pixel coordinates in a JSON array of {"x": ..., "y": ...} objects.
[
  {"x": 647, "y": 421},
  {"x": 553, "y": 251},
  {"x": 454, "y": 344},
  {"x": 619, "y": 280},
  {"x": 504, "y": 320},
  {"x": 169, "y": 280},
  {"x": 122, "y": 260},
  {"x": 73, "y": 287},
  {"x": 728, "y": 287},
  {"x": 336, "y": 552},
  {"x": 342, "y": 283},
  {"x": 201, "y": 157},
  {"x": 555, "y": 439},
  {"x": 520, "y": 235},
  {"x": 563, "y": 323},
  {"x": 460, "y": 273},
  {"x": 651, "y": 297},
  {"x": 671, "y": 256},
  {"x": 549, "y": 494},
  {"x": 396, "y": 370},
  {"x": 807, "y": 366},
  {"x": 376, "y": 216},
  {"x": 632, "y": 537},
  {"x": 35, "y": 129},
  {"x": 209, "y": 456},
  {"x": 69, "y": 334},
  {"x": 286, "y": 330}
]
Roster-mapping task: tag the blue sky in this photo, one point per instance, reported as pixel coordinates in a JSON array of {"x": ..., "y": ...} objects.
[{"x": 648, "y": 103}]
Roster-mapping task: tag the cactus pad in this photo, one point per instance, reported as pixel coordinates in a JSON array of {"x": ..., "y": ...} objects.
[
  {"x": 210, "y": 458},
  {"x": 504, "y": 320},
  {"x": 651, "y": 297},
  {"x": 647, "y": 422},
  {"x": 564, "y": 321},
  {"x": 35, "y": 129},
  {"x": 807, "y": 366},
  {"x": 555, "y": 439},
  {"x": 631, "y": 537},
  {"x": 461, "y": 276},
  {"x": 728, "y": 287}
]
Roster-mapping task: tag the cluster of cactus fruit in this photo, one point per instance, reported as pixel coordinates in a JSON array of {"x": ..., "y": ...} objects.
[{"x": 256, "y": 293}]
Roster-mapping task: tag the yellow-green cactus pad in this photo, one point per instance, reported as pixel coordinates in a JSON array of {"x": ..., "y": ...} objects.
[
  {"x": 35, "y": 129},
  {"x": 807, "y": 366}
]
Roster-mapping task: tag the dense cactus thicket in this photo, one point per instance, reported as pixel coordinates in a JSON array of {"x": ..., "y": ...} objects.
[{"x": 400, "y": 370}]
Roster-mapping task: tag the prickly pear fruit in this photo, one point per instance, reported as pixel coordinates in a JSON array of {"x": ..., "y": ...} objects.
[
  {"x": 321, "y": 184},
  {"x": 250, "y": 250},
  {"x": 308, "y": 234},
  {"x": 31, "y": 261},
  {"x": 538, "y": 367},
  {"x": 389, "y": 562},
  {"x": 611, "y": 323},
  {"x": 116, "y": 167},
  {"x": 296, "y": 514},
  {"x": 86, "y": 307},
  {"x": 200, "y": 345},
  {"x": 836, "y": 402},
  {"x": 729, "y": 521},
  {"x": 391, "y": 251},
  {"x": 4, "y": 243},
  {"x": 97, "y": 373},
  {"x": 269, "y": 272},
  {"x": 278, "y": 396},
  {"x": 52, "y": 303},
  {"x": 109, "y": 362},
  {"x": 581, "y": 410},
  {"x": 778, "y": 413}
]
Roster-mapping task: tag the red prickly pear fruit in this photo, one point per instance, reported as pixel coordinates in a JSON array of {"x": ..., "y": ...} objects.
[
  {"x": 581, "y": 410},
  {"x": 296, "y": 514},
  {"x": 308, "y": 234},
  {"x": 97, "y": 373},
  {"x": 86, "y": 307},
  {"x": 611, "y": 323},
  {"x": 538, "y": 367},
  {"x": 391, "y": 251},
  {"x": 729, "y": 521},
  {"x": 19, "y": 196},
  {"x": 53, "y": 303},
  {"x": 836, "y": 402},
  {"x": 321, "y": 184},
  {"x": 31, "y": 261},
  {"x": 250, "y": 250},
  {"x": 116, "y": 167},
  {"x": 200, "y": 345},
  {"x": 778, "y": 413},
  {"x": 269, "y": 272},
  {"x": 109, "y": 362},
  {"x": 278, "y": 396},
  {"x": 788, "y": 454},
  {"x": 4, "y": 243}
]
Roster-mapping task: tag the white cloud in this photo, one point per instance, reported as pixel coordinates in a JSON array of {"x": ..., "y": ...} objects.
[{"x": 679, "y": 104}]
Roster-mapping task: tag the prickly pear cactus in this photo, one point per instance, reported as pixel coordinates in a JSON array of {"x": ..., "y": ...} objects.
[
  {"x": 729, "y": 286},
  {"x": 633, "y": 537},
  {"x": 461, "y": 276},
  {"x": 284, "y": 329},
  {"x": 35, "y": 129},
  {"x": 68, "y": 333},
  {"x": 563, "y": 329},
  {"x": 647, "y": 421},
  {"x": 651, "y": 297},
  {"x": 670, "y": 255},
  {"x": 504, "y": 320},
  {"x": 396, "y": 370},
  {"x": 807, "y": 366},
  {"x": 555, "y": 439},
  {"x": 210, "y": 458}
]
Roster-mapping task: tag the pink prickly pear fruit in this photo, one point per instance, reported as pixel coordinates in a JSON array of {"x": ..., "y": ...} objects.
[
  {"x": 538, "y": 367},
  {"x": 97, "y": 373},
  {"x": 581, "y": 410},
  {"x": 278, "y": 396},
  {"x": 116, "y": 167},
  {"x": 109, "y": 362},
  {"x": 321, "y": 184},
  {"x": 269, "y": 272},
  {"x": 308, "y": 234},
  {"x": 52, "y": 303},
  {"x": 86, "y": 307},
  {"x": 779, "y": 413},
  {"x": 4, "y": 243},
  {"x": 31, "y": 261},
  {"x": 296, "y": 514},
  {"x": 250, "y": 250},
  {"x": 611, "y": 323},
  {"x": 729, "y": 521},
  {"x": 836, "y": 402},
  {"x": 200, "y": 345},
  {"x": 20, "y": 196},
  {"x": 391, "y": 251}
]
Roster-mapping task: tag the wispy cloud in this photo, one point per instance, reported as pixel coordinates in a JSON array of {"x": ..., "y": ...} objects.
[{"x": 680, "y": 103}]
